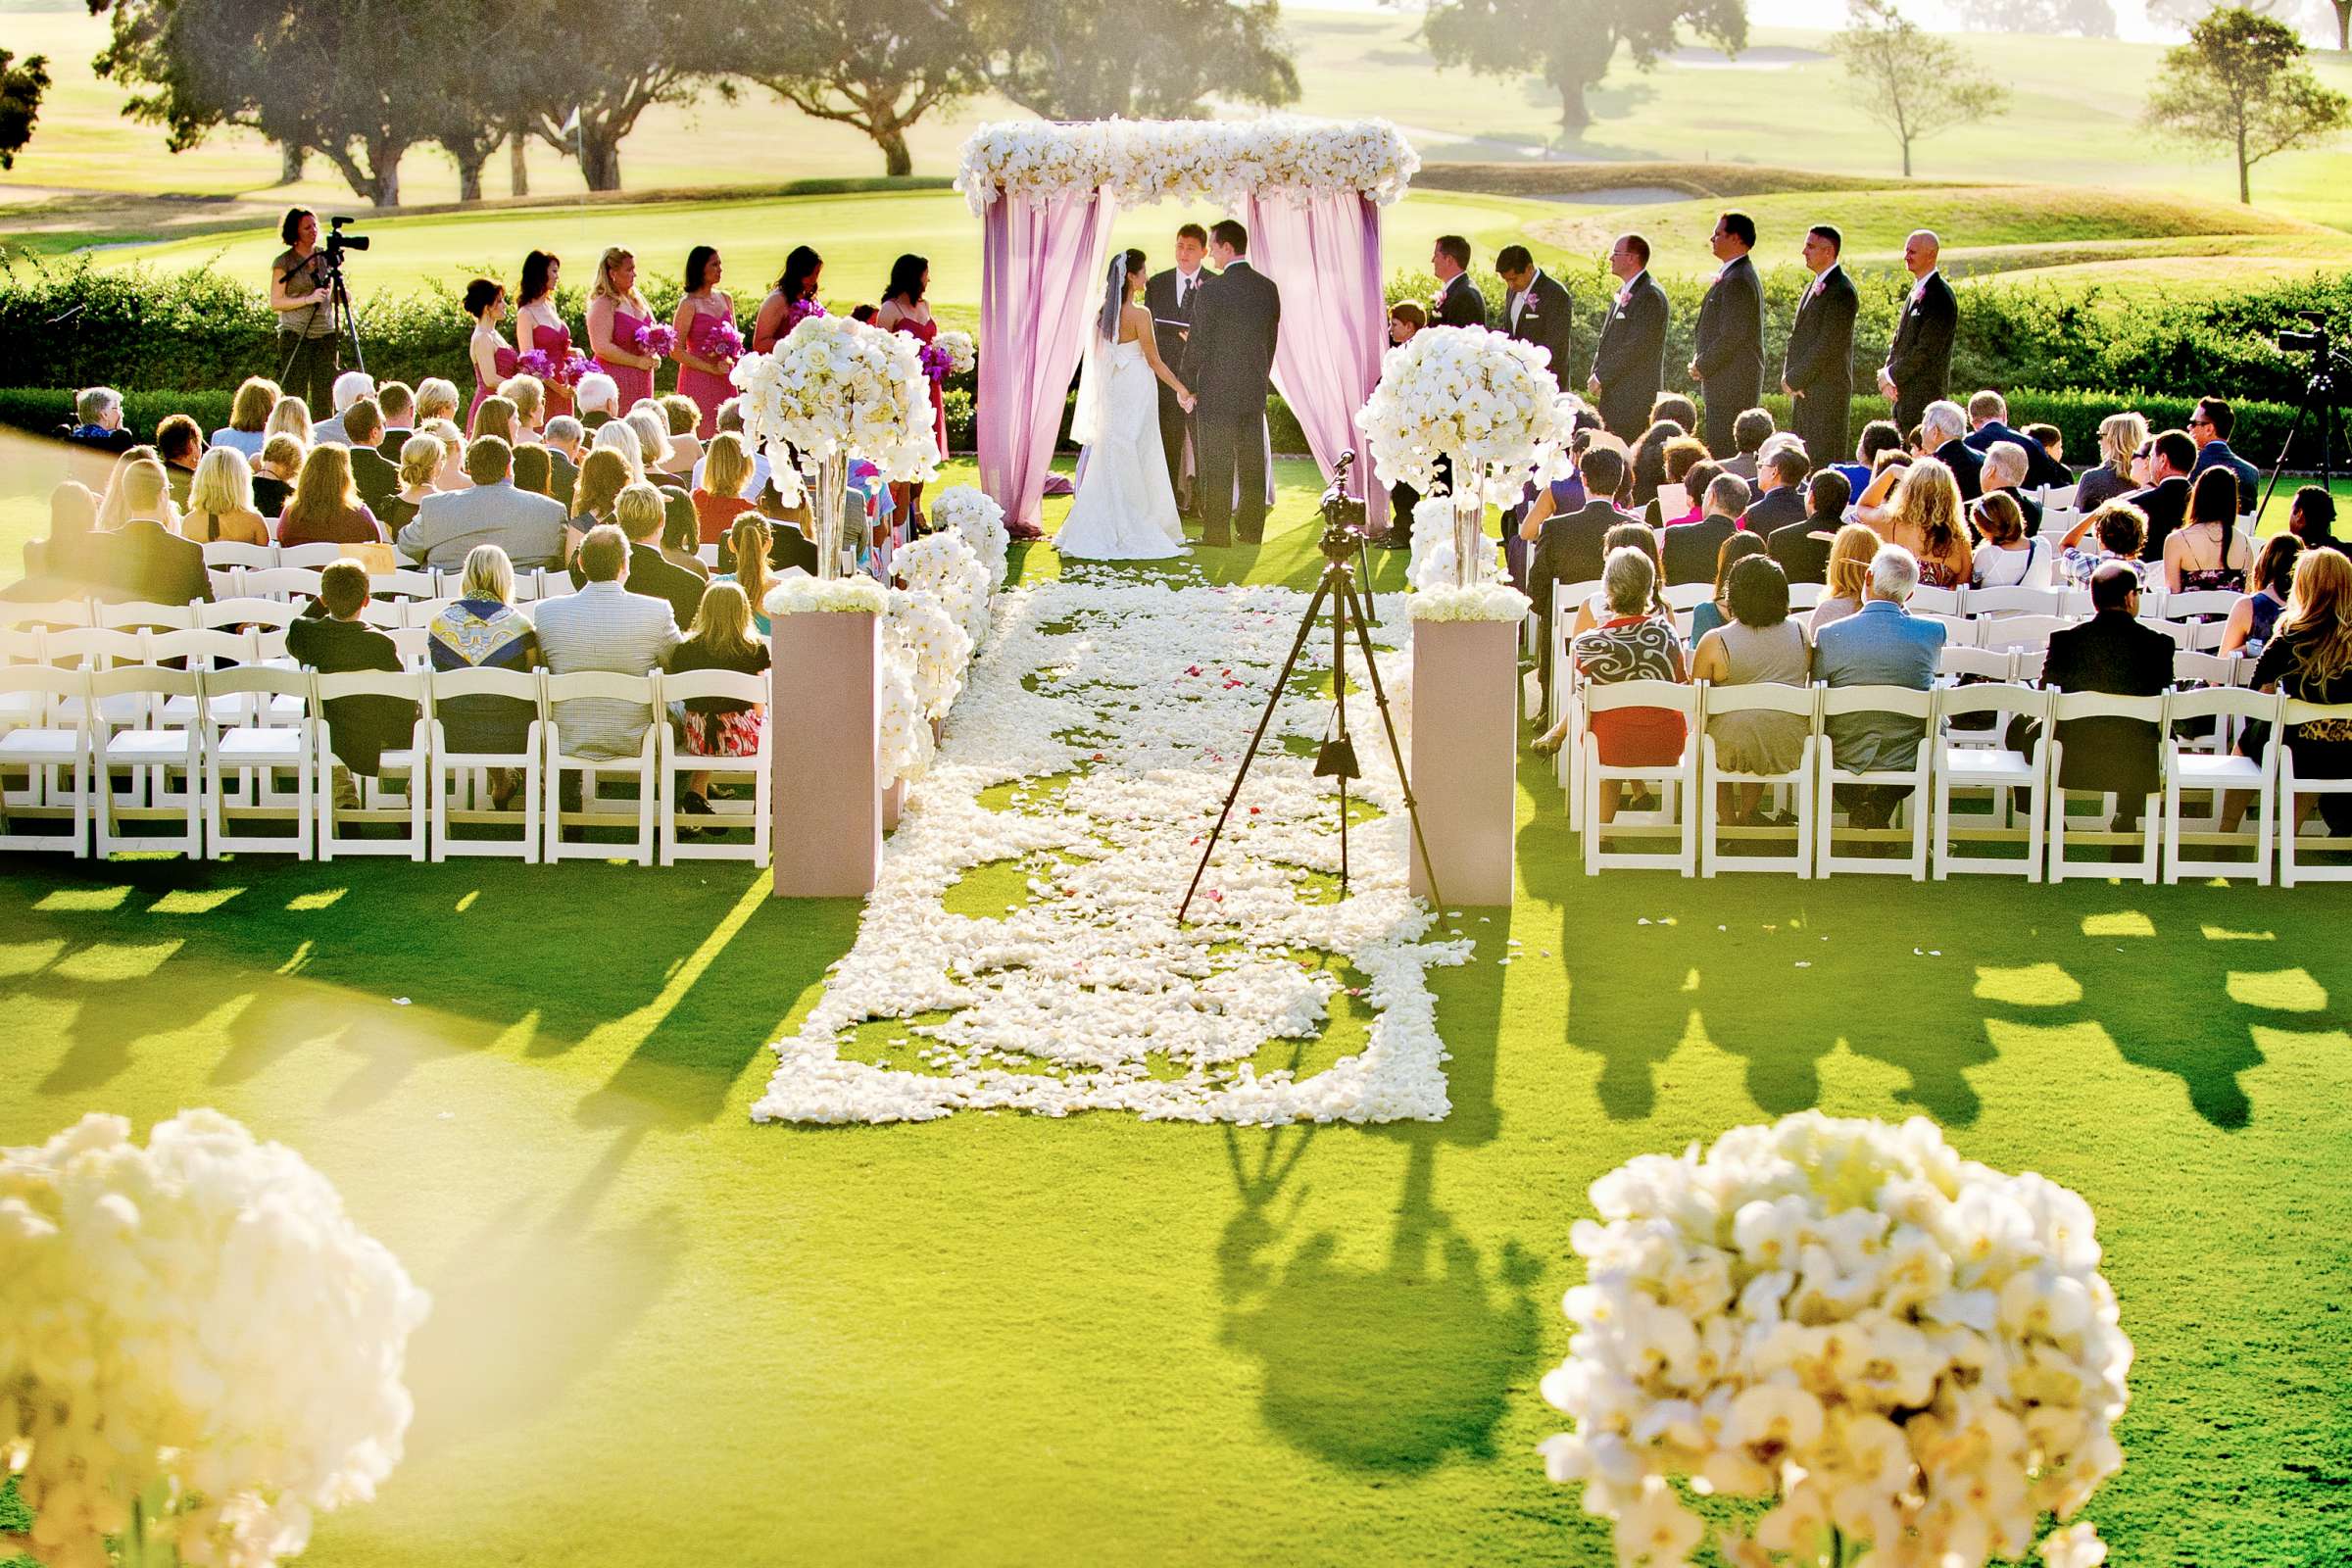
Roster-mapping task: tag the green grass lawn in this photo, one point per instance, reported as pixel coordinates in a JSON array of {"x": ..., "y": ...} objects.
[{"x": 666, "y": 1337}]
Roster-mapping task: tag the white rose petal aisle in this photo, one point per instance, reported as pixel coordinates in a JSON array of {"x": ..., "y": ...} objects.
[
  {"x": 1107, "y": 717},
  {"x": 1902, "y": 1355},
  {"x": 199, "y": 1350}
]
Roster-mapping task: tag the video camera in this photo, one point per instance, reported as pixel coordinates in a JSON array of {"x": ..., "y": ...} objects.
[
  {"x": 2313, "y": 342},
  {"x": 338, "y": 242}
]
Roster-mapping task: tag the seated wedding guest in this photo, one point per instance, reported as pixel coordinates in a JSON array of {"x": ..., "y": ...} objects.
[
  {"x": 1924, "y": 517},
  {"x": 742, "y": 562},
  {"x": 2309, "y": 658},
  {"x": 71, "y": 563},
  {"x": 1633, "y": 644},
  {"x": 450, "y": 475},
  {"x": 2207, "y": 551},
  {"x": 419, "y": 460},
  {"x": 1802, "y": 548},
  {"x": 2121, "y": 437},
  {"x": 1568, "y": 547},
  {"x": 603, "y": 476},
  {"x": 528, "y": 394},
  {"x": 680, "y": 545},
  {"x": 221, "y": 502},
  {"x": 147, "y": 560},
  {"x": 2209, "y": 425},
  {"x": 481, "y": 629},
  {"x": 141, "y": 493},
  {"x": 1989, "y": 427},
  {"x": 1781, "y": 499},
  {"x": 326, "y": 507},
  {"x": 1683, "y": 454},
  {"x": 1879, "y": 435},
  {"x": 1675, "y": 409},
  {"x": 98, "y": 420},
  {"x": 1845, "y": 579},
  {"x": 2004, "y": 469},
  {"x": 2312, "y": 517},
  {"x": 273, "y": 476},
  {"x": 1883, "y": 644},
  {"x": 2112, "y": 653},
  {"x": 350, "y": 387},
  {"x": 398, "y": 405},
  {"x": 2253, "y": 618},
  {"x": 249, "y": 414},
  {"x": 730, "y": 419},
  {"x": 437, "y": 398},
  {"x": 373, "y": 472},
  {"x": 1706, "y": 618},
  {"x": 684, "y": 417},
  {"x": 638, "y": 513},
  {"x": 2008, "y": 557},
  {"x": 337, "y": 641},
  {"x": 114, "y": 502},
  {"x": 567, "y": 443},
  {"x": 1943, "y": 429},
  {"x": 179, "y": 445},
  {"x": 531, "y": 470},
  {"x": 655, "y": 452},
  {"x": 1689, "y": 548},
  {"x": 717, "y": 726},
  {"x": 495, "y": 415},
  {"x": 1751, "y": 430},
  {"x": 725, "y": 469},
  {"x": 2163, "y": 499},
  {"x": 788, "y": 546},
  {"x": 2117, "y": 530},
  {"x": 596, "y": 400},
  {"x": 1650, "y": 460},
  {"x": 1758, "y": 643},
  {"x": 528, "y": 528},
  {"x": 1594, "y": 607},
  {"x": 1696, "y": 479},
  {"x": 603, "y": 625},
  {"x": 2051, "y": 440}
]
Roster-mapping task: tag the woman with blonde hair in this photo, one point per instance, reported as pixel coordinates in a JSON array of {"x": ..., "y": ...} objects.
[
  {"x": 450, "y": 475},
  {"x": 421, "y": 458},
  {"x": 721, "y": 638},
  {"x": 326, "y": 507},
  {"x": 220, "y": 501},
  {"x": 720, "y": 499},
  {"x": 436, "y": 399},
  {"x": 2121, "y": 436},
  {"x": 1848, "y": 580},
  {"x": 528, "y": 394},
  {"x": 618, "y": 321},
  {"x": 742, "y": 559},
  {"x": 275, "y": 475},
  {"x": 682, "y": 418},
  {"x": 653, "y": 449},
  {"x": 289, "y": 416},
  {"x": 2309, "y": 658},
  {"x": 249, "y": 416},
  {"x": 1925, "y": 518},
  {"x": 481, "y": 629},
  {"x": 113, "y": 501}
]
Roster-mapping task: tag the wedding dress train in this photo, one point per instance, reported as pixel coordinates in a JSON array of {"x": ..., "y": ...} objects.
[{"x": 1126, "y": 507}]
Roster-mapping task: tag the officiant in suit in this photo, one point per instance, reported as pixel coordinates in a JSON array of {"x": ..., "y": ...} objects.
[
  {"x": 1629, "y": 364},
  {"x": 1728, "y": 361},
  {"x": 1919, "y": 365},
  {"x": 1539, "y": 310},
  {"x": 1229, "y": 364},
  {"x": 1458, "y": 302},
  {"x": 1818, "y": 370},
  {"x": 1170, "y": 296}
]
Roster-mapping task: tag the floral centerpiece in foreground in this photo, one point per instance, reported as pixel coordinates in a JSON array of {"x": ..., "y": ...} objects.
[
  {"x": 198, "y": 1348},
  {"x": 831, "y": 389},
  {"x": 1892, "y": 1346}
]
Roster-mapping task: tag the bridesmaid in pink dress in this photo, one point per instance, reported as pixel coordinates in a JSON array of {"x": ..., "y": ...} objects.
[
  {"x": 904, "y": 310},
  {"x": 704, "y": 361},
  {"x": 538, "y": 325},
  {"x": 617, "y": 317},
  {"x": 492, "y": 361}
]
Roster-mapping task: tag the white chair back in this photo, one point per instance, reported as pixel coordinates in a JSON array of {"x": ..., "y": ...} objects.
[
  {"x": 220, "y": 613},
  {"x": 1987, "y": 663},
  {"x": 237, "y": 553},
  {"x": 283, "y": 582},
  {"x": 310, "y": 556}
]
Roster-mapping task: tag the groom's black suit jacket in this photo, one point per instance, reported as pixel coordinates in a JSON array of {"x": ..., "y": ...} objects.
[
  {"x": 1229, "y": 363},
  {"x": 1546, "y": 319}
]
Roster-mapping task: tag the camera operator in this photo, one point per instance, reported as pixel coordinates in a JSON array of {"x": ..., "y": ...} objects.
[{"x": 306, "y": 314}]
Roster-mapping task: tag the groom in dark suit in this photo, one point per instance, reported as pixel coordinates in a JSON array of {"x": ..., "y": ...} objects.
[
  {"x": 1458, "y": 302},
  {"x": 1631, "y": 363},
  {"x": 1169, "y": 297},
  {"x": 1229, "y": 364},
  {"x": 1539, "y": 310},
  {"x": 1919, "y": 366},
  {"x": 1728, "y": 361},
  {"x": 1818, "y": 370}
]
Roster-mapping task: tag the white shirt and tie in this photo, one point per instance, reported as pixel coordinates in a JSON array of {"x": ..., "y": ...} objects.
[{"x": 1520, "y": 297}]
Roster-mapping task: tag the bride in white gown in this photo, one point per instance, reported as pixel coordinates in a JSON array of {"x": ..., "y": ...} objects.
[{"x": 1126, "y": 507}]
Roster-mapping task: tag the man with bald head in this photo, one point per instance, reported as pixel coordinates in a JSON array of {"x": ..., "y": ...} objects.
[
  {"x": 1630, "y": 364},
  {"x": 1919, "y": 366}
]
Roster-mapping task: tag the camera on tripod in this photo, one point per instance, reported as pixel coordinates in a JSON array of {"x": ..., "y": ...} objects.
[
  {"x": 2313, "y": 342},
  {"x": 338, "y": 242}
]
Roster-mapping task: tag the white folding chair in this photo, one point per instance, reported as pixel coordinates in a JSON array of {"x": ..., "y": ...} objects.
[
  {"x": 2294, "y": 790},
  {"x": 422, "y": 613},
  {"x": 2024, "y": 633},
  {"x": 1927, "y": 600},
  {"x": 1897, "y": 701},
  {"x": 93, "y": 648},
  {"x": 1677, "y": 782},
  {"x": 2190, "y": 769},
  {"x": 2057, "y": 495},
  {"x": 708, "y": 555},
  {"x": 385, "y": 615},
  {"x": 1989, "y": 663},
  {"x": 150, "y": 744},
  {"x": 2192, "y": 670},
  {"x": 201, "y": 651},
  {"x": 2011, "y": 601},
  {"x": 55, "y": 612},
  {"x": 283, "y": 582},
  {"x": 22, "y": 647},
  {"x": 1759, "y": 697},
  {"x": 406, "y": 583},
  {"x": 730, "y": 686},
  {"x": 413, "y": 644},
  {"x": 235, "y": 552},
  {"x": 53, "y": 742},
  {"x": 1982, "y": 759},
  {"x": 247, "y": 611},
  {"x": 2026, "y": 664},
  {"x": 2068, "y": 706},
  {"x": 378, "y": 806},
  {"x": 1684, "y": 597},
  {"x": 1958, "y": 631},
  {"x": 2195, "y": 604},
  {"x": 637, "y": 691},
  {"x": 459, "y": 781},
  {"x": 257, "y": 732},
  {"x": 315, "y": 556},
  {"x": 1804, "y": 595},
  {"x": 142, "y": 615}
]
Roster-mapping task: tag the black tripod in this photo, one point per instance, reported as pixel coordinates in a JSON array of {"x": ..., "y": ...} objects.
[
  {"x": 346, "y": 321},
  {"x": 2320, "y": 404},
  {"x": 1340, "y": 545}
]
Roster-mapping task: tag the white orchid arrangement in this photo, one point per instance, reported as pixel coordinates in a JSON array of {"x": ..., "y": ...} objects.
[
  {"x": 973, "y": 516},
  {"x": 1485, "y": 401},
  {"x": 1141, "y": 160},
  {"x": 1884, "y": 1344},
  {"x": 919, "y": 633},
  {"x": 964, "y": 355},
  {"x": 835, "y": 388},
  {"x": 942, "y": 565},
  {"x": 199, "y": 1349}
]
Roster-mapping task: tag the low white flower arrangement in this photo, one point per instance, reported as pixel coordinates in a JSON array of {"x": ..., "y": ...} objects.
[
  {"x": 1440, "y": 592},
  {"x": 942, "y": 565},
  {"x": 1890, "y": 1346},
  {"x": 974, "y": 516},
  {"x": 199, "y": 1350},
  {"x": 1482, "y": 601},
  {"x": 1143, "y": 161},
  {"x": 919, "y": 632},
  {"x": 855, "y": 595}
]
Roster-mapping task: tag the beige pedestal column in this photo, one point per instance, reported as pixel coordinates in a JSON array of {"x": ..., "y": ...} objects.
[
  {"x": 1464, "y": 757},
  {"x": 824, "y": 733}
]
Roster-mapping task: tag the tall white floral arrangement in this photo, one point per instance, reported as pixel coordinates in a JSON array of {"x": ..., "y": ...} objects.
[
  {"x": 942, "y": 565},
  {"x": 1892, "y": 1347},
  {"x": 973, "y": 516},
  {"x": 198, "y": 1348}
]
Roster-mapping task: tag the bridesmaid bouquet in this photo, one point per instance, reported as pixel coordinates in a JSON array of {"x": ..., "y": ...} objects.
[
  {"x": 537, "y": 363},
  {"x": 800, "y": 311},
  {"x": 576, "y": 365},
  {"x": 654, "y": 338},
  {"x": 963, "y": 355},
  {"x": 937, "y": 360},
  {"x": 550, "y": 372},
  {"x": 715, "y": 337}
]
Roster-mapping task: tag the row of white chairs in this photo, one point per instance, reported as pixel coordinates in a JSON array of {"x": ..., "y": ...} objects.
[
  {"x": 240, "y": 760},
  {"x": 2027, "y": 807}
]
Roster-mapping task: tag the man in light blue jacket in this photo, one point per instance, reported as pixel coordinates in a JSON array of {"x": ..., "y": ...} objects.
[
  {"x": 1883, "y": 644},
  {"x": 448, "y": 524}
]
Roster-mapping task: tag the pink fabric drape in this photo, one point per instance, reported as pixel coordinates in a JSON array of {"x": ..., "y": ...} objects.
[
  {"x": 1322, "y": 250},
  {"x": 1042, "y": 268}
]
